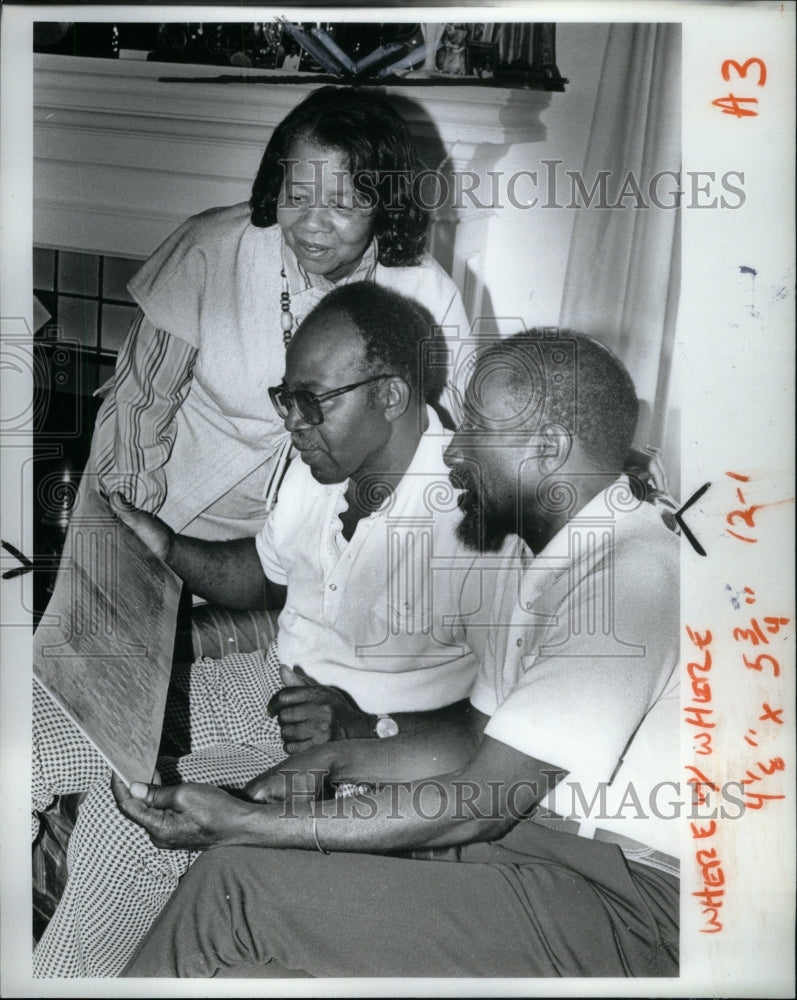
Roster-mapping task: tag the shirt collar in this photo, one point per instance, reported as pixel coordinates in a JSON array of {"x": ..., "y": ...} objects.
[
  {"x": 616, "y": 500},
  {"x": 557, "y": 557},
  {"x": 299, "y": 280}
]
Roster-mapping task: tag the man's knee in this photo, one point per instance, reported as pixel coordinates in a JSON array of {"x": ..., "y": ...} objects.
[
  {"x": 217, "y": 872},
  {"x": 233, "y": 874}
]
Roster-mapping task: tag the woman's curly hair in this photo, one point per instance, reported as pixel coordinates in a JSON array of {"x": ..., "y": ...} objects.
[{"x": 381, "y": 159}]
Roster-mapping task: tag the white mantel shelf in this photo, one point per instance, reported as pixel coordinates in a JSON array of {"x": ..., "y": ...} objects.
[
  {"x": 121, "y": 157},
  {"x": 461, "y": 113}
]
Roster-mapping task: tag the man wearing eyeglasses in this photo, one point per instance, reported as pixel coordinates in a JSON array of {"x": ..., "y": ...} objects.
[
  {"x": 361, "y": 552},
  {"x": 362, "y": 522}
]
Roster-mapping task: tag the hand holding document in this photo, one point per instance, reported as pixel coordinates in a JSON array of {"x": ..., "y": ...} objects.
[{"x": 154, "y": 533}]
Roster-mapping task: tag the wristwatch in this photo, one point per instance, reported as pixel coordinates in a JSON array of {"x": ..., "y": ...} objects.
[{"x": 385, "y": 726}]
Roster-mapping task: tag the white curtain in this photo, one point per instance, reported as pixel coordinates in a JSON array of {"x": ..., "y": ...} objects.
[{"x": 622, "y": 279}]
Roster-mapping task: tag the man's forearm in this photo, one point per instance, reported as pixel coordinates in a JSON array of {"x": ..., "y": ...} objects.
[
  {"x": 362, "y": 725},
  {"x": 437, "y": 750},
  {"x": 412, "y": 723},
  {"x": 403, "y": 814},
  {"x": 477, "y": 801},
  {"x": 226, "y": 573},
  {"x": 434, "y": 749}
]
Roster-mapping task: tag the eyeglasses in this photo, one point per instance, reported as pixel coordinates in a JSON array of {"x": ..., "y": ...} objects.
[{"x": 308, "y": 403}]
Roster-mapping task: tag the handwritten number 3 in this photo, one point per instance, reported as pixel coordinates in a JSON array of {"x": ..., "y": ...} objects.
[{"x": 742, "y": 70}]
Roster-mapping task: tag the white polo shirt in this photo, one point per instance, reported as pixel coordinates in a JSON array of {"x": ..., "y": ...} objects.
[
  {"x": 376, "y": 616},
  {"x": 579, "y": 669}
]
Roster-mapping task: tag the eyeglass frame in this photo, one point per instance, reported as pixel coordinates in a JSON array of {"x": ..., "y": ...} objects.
[{"x": 315, "y": 399}]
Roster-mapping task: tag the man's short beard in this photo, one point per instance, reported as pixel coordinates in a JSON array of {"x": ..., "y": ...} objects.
[
  {"x": 477, "y": 533},
  {"x": 475, "y": 530}
]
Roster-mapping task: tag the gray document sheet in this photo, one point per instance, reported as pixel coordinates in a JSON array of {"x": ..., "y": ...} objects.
[{"x": 104, "y": 648}]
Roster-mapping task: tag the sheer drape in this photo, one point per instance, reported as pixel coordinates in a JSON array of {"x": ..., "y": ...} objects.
[{"x": 622, "y": 279}]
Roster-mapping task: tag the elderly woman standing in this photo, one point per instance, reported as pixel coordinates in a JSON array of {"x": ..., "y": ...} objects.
[{"x": 187, "y": 430}]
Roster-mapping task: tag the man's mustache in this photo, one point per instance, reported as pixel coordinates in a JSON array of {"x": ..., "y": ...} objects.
[
  {"x": 300, "y": 441},
  {"x": 462, "y": 478}
]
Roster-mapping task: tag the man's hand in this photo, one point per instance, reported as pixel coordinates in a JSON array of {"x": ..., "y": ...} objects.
[
  {"x": 153, "y": 532},
  {"x": 283, "y": 783},
  {"x": 310, "y": 714},
  {"x": 193, "y": 817}
]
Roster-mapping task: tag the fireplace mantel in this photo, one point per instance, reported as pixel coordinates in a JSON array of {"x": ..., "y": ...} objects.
[{"x": 123, "y": 152}]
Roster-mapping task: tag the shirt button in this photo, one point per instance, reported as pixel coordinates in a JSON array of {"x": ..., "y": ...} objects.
[
  {"x": 333, "y": 586},
  {"x": 518, "y": 642}
]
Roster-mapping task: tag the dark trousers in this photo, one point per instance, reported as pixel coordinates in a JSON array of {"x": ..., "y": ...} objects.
[{"x": 571, "y": 908}]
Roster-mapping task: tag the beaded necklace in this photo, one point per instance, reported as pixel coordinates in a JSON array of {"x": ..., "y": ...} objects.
[{"x": 286, "y": 316}]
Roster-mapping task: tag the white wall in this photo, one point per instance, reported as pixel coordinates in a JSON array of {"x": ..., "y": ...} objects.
[{"x": 527, "y": 251}]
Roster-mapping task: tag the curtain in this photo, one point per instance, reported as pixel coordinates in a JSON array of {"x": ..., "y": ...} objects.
[{"x": 622, "y": 279}]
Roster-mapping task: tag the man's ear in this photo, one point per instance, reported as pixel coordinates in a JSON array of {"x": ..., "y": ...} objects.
[
  {"x": 557, "y": 442},
  {"x": 395, "y": 394}
]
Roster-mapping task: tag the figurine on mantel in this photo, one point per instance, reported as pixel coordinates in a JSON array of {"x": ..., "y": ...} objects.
[
  {"x": 451, "y": 57},
  {"x": 432, "y": 34}
]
